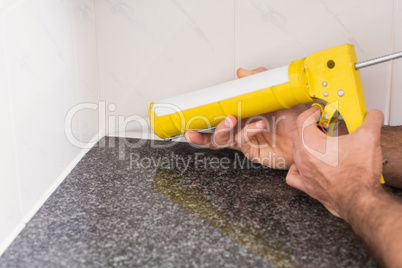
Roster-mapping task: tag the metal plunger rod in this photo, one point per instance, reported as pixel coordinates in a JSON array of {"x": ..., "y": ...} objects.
[{"x": 367, "y": 63}]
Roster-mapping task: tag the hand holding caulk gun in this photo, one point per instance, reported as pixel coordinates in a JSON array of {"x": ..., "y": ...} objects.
[
  {"x": 343, "y": 173},
  {"x": 266, "y": 138}
]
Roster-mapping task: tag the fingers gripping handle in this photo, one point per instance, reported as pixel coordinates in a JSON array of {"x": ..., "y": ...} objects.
[
  {"x": 333, "y": 78},
  {"x": 329, "y": 116},
  {"x": 354, "y": 114}
]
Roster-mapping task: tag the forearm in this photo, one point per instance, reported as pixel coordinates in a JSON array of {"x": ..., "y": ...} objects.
[
  {"x": 377, "y": 219},
  {"x": 391, "y": 143}
]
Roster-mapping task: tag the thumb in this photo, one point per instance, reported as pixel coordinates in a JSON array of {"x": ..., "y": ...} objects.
[{"x": 307, "y": 121}]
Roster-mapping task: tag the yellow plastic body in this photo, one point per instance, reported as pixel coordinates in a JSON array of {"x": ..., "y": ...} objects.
[
  {"x": 255, "y": 103},
  {"x": 332, "y": 77},
  {"x": 309, "y": 79}
]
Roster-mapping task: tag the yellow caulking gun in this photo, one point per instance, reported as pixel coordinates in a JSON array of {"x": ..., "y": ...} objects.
[{"x": 331, "y": 75}]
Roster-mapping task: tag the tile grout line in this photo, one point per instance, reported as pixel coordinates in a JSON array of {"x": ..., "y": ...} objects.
[
  {"x": 74, "y": 47},
  {"x": 393, "y": 41},
  {"x": 102, "y": 128}
]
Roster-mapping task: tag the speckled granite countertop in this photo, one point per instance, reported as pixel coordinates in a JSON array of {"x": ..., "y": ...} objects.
[{"x": 130, "y": 205}]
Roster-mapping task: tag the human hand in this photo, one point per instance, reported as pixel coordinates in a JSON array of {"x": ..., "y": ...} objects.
[
  {"x": 337, "y": 171},
  {"x": 267, "y": 141}
]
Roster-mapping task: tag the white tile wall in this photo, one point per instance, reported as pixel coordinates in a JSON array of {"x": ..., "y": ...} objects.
[
  {"x": 150, "y": 50},
  {"x": 273, "y": 33},
  {"x": 86, "y": 65},
  {"x": 10, "y": 205},
  {"x": 48, "y": 64},
  {"x": 396, "y": 94},
  {"x": 5, "y": 3},
  {"x": 41, "y": 74}
]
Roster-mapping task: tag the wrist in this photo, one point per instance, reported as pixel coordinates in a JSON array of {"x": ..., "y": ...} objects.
[{"x": 362, "y": 202}]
